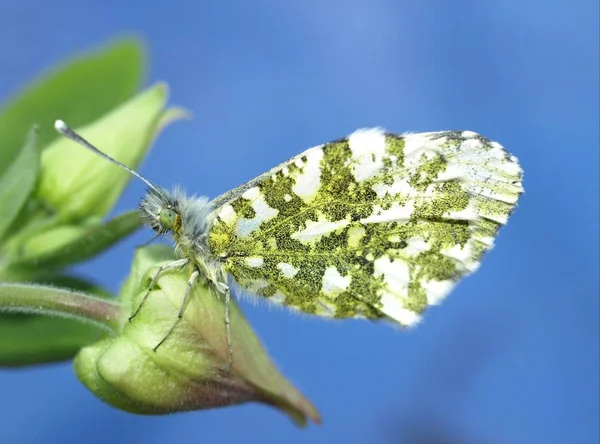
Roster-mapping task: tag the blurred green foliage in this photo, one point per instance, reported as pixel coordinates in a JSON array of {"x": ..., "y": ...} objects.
[{"x": 51, "y": 189}]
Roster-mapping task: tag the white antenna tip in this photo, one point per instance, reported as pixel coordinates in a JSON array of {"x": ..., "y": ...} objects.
[{"x": 60, "y": 125}]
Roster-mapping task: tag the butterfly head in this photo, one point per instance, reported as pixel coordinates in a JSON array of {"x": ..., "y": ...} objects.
[{"x": 161, "y": 211}]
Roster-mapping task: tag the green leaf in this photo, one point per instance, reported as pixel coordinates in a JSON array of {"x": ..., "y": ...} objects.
[
  {"x": 92, "y": 241},
  {"x": 32, "y": 339},
  {"x": 18, "y": 180},
  {"x": 79, "y": 92}
]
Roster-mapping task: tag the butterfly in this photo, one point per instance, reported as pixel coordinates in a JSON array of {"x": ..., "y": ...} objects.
[{"x": 375, "y": 225}]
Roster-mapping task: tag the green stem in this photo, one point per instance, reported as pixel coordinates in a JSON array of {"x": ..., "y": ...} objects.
[{"x": 51, "y": 301}]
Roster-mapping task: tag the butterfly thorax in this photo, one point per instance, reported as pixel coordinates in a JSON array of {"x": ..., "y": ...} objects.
[{"x": 188, "y": 219}]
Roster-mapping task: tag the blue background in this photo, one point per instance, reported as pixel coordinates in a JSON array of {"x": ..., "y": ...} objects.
[{"x": 512, "y": 356}]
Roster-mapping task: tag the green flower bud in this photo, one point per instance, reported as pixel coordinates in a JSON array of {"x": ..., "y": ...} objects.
[
  {"x": 190, "y": 370},
  {"x": 77, "y": 183}
]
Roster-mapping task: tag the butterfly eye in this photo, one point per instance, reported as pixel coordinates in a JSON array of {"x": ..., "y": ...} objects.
[{"x": 167, "y": 218}]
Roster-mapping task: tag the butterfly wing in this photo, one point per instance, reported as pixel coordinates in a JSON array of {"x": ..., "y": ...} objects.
[{"x": 374, "y": 225}]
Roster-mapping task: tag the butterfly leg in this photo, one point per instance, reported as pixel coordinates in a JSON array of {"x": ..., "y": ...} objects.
[
  {"x": 190, "y": 284},
  {"x": 224, "y": 289},
  {"x": 227, "y": 329},
  {"x": 172, "y": 266}
]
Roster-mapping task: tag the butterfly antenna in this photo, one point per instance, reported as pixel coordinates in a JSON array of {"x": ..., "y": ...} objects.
[{"x": 64, "y": 129}]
